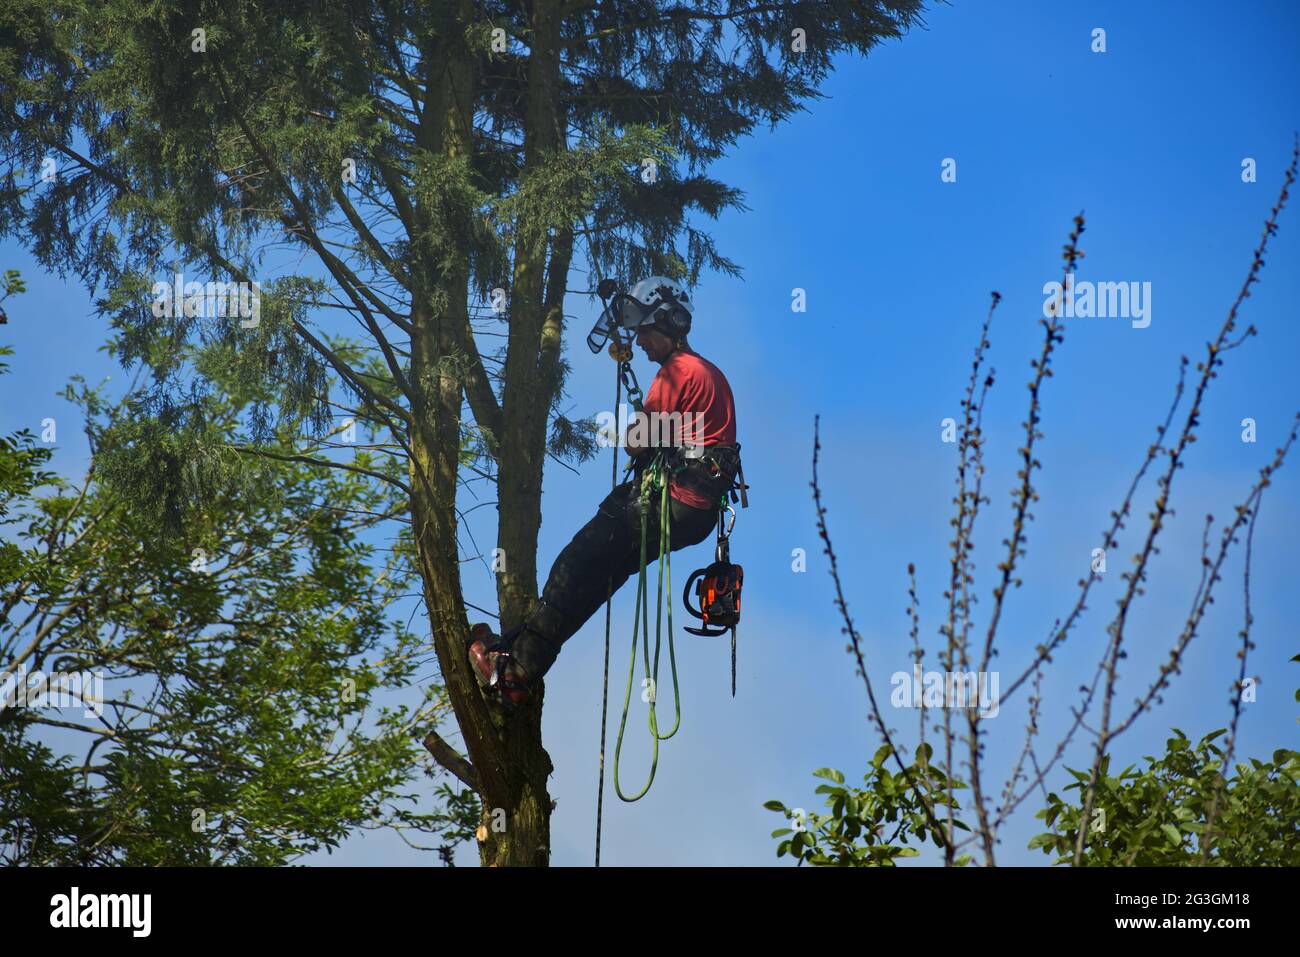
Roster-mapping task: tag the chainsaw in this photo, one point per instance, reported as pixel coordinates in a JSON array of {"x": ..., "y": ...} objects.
[{"x": 717, "y": 593}]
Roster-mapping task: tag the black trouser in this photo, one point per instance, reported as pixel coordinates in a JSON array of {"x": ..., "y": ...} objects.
[{"x": 599, "y": 560}]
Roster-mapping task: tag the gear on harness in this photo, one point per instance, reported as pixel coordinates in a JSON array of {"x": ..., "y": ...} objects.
[
  {"x": 652, "y": 479},
  {"x": 702, "y": 469},
  {"x": 622, "y": 354},
  {"x": 718, "y": 595},
  {"x": 717, "y": 592}
]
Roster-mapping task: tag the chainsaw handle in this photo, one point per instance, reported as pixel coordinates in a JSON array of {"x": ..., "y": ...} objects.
[{"x": 686, "y": 591}]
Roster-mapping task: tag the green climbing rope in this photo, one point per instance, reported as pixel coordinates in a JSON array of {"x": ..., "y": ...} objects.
[{"x": 654, "y": 478}]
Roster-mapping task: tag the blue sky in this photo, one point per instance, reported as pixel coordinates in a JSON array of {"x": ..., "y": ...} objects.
[{"x": 846, "y": 202}]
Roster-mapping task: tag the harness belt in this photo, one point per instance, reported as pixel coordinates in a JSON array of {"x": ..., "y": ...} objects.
[{"x": 715, "y": 472}]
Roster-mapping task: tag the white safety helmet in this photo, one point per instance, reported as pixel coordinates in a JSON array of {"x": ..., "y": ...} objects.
[{"x": 660, "y": 302}]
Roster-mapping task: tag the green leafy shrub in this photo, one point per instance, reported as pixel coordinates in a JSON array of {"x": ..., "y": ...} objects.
[{"x": 871, "y": 826}]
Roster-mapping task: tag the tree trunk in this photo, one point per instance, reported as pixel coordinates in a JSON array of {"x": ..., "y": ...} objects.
[
  {"x": 510, "y": 767},
  {"x": 529, "y": 385}
]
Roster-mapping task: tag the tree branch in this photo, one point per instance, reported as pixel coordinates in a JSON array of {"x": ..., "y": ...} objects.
[{"x": 451, "y": 759}]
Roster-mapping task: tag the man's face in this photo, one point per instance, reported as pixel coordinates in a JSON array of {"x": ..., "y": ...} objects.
[{"x": 656, "y": 345}]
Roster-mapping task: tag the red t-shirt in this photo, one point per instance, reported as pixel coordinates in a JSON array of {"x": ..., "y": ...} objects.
[{"x": 695, "y": 387}]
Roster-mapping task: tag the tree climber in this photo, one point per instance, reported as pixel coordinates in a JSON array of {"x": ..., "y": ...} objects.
[{"x": 607, "y": 550}]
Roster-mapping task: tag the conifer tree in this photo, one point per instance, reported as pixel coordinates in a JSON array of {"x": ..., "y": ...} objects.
[{"x": 391, "y": 172}]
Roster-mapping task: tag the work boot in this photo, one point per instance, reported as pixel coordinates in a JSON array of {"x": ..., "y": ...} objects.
[{"x": 494, "y": 668}]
